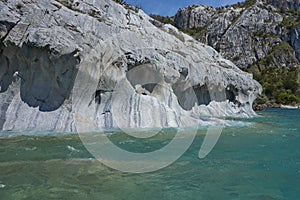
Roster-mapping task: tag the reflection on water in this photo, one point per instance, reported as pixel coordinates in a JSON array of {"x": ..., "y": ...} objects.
[{"x": 259, "y": 161}]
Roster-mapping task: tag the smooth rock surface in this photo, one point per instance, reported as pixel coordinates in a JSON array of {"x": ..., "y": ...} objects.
[{"x": 77, "y": 65}]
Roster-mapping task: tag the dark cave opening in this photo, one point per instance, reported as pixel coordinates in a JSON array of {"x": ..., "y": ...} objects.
[
  {"x": 202, "y": 95},
  {"x": 145, "y": 76},
  {"x": 231, "y": 93}
]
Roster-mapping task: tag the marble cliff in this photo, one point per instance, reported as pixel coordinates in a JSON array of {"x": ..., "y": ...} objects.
[{"x": 63, "y": 62}]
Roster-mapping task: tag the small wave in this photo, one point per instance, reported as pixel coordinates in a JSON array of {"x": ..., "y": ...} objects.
[
  {"x": 126, "y": 142},
  {"x": 292, "y": 129},
  {"x": 30, "y": 149},
  {"x": 109, "y": 132},
  {"x": 2, "y": 186},
  {"x": 72, "y": 149},
  {"x": 233, "y": 123},
  {"x": 21, "y": 162},
  {"x": 13, "y": 134}
]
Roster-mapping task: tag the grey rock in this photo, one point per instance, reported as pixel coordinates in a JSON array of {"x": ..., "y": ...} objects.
[
  {"x": 285, "y": 4},
  {"x": 194, "y": 16},
  {"x": 247, "y": 33},
  {"x": 78, "y": 65},
  {"x": 295, "y": 40}
]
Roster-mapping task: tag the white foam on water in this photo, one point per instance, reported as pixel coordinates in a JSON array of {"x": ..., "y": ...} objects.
[
  {"x": 207, "y": 122},
  {"x": 127, "y": 141},
  {"x": 72, "y": 149},
  {"x": 30, "y": 149},
  {"x": 13, "y": 134}
]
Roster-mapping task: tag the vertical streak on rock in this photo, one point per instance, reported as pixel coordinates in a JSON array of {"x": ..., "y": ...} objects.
[
  {"x": 108, "y": 118},
  {"x": 139, "y": 111},
  {"x": 153, "y": 118},
  {"x": 34, "y": 120},
  {"x": 16, "y": 115},
  {"x": 7, "y": 101},
  {"x": 129, "y": 111},
  {"x": 176, "y": 118},
  {"x": 135, "y": 110},
  {"x": 170, "y": 100},
  {"x": 165, "y": 117}
]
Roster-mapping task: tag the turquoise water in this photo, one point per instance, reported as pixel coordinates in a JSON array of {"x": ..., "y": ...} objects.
[{"x": 258, "y": 161}]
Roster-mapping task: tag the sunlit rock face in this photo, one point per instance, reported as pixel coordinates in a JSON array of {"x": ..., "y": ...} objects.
[
  {"x": 248, "y": 33},
  {"x": 65, "y": 64}
]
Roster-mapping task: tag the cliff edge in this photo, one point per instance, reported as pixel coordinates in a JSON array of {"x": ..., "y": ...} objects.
[{"x": 65, "y": 62}]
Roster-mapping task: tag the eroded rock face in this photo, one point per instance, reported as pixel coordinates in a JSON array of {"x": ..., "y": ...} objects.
[
  {"x": 194, "y": 16},
  {"x": 69, "y": 63},
  {"x": 248, "y": 33},
  {"x": 295, "y": 40},
  {"x": 285, "y": 4}
]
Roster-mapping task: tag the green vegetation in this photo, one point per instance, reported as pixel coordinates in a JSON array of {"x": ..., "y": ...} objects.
[
  {"x": 164, "y": 20},
  {"x": 96, "y": 14},
  {"x": 236, "y": 58},
  {"x": 268, "y": 20},
  {"x": 122, "y": 2},
  {"x": 70, "y": 4},
  {"x": 281, "y": 85},
  {"x": 195, "y": 32},
  {"x": 293, "y": 12},
  {"x": 280, "y": 52},
  {"x": 73, "y": 6},
  {"x": 246, "y": 4},
  {"x": 290, "y": 18},
  {"x": 127, "y": 6},
  {"x": 263, "y": 34},
  {"x": 289, "y": 22},
  {"x": 19, "y": 5},
  {"x": 177, "y": 35}
]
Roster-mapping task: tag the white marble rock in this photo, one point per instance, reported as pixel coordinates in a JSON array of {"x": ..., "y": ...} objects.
[{"x": 65, "y": 64}]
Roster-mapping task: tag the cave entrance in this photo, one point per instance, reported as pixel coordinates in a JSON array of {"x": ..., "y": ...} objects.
[
  {"x": 188, "y": 97},
  {"x": 202, "y": 95},
  {"x": 231, "y": 93},
  {"x": 146, "y": 76}
]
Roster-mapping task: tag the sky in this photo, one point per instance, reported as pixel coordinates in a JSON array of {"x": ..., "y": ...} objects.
[{"x": 170, "y": 7}]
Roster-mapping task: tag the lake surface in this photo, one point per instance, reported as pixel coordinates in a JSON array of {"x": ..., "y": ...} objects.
[{"x": 258, "y": 161}]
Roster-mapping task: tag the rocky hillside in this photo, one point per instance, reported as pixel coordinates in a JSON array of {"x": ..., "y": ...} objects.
[
  {"x": 259, "y": 36},
  {"x": 68, "y": 65}
]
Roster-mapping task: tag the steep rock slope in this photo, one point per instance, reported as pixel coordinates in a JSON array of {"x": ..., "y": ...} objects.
[
  {"x": 66, "y": 63},
  {"x": 257, "y": 35},
  {"x": 247, "y": 32}
]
